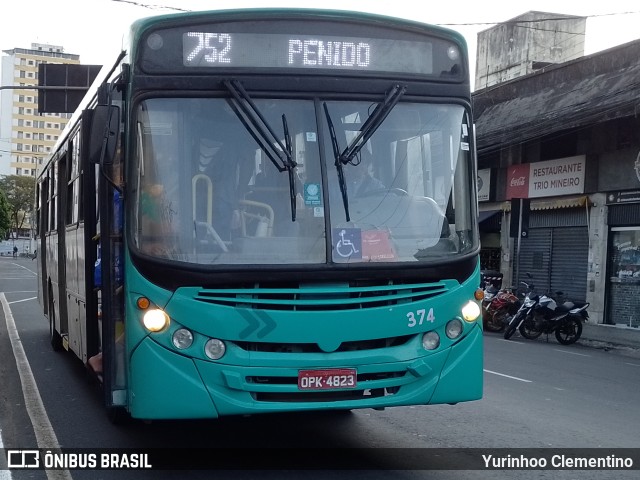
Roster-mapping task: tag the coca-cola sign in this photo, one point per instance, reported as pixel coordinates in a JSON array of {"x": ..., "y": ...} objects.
[{"x": 518, "y": 181}]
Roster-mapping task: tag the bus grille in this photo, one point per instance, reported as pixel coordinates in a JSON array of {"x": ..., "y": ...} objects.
[
  {"x": 321, "y": 297},
  {"x": 351, "y": 346}
]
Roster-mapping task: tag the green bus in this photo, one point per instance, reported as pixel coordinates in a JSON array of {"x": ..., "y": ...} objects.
[{"x": 259, "y": 211}]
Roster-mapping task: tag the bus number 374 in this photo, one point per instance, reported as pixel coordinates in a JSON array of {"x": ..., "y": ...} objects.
[{"x": 418, "y": 317}]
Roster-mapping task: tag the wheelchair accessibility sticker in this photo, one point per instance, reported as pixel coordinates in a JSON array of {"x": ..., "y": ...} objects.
[
  {"x": 366, "y": 245},
  {"x": 347, "y": 243}
]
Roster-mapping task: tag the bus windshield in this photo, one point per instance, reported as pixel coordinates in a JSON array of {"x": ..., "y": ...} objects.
[{"x": 208, "y": 190}]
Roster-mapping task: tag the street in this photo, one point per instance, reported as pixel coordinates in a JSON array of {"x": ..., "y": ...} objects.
[{"x": 536, "y": 395}]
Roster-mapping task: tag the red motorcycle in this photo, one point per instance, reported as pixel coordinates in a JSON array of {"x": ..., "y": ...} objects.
[{"x": 497, "y": 306}]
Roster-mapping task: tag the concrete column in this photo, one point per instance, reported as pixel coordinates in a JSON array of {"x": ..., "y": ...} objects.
[{"x": 597, "y": 259}]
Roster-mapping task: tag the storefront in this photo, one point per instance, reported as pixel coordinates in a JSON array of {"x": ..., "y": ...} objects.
[
  {"x": 490, "y": 222},
  {"x": 490, "y": 252},
  {"x": 555, "y": 248},
  {"x": 623, "y": 289}
]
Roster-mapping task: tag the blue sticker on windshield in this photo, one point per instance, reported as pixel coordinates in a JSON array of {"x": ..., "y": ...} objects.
[{"x": 312, "y": 194}]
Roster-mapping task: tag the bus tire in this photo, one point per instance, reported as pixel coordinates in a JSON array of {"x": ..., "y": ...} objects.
[
  {"x": 54, "y": 337},
  {"x": 118, "y": 415}
]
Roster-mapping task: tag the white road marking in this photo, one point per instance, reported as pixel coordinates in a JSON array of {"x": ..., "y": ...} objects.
[
  {"x": 27, "y": 269},
  {"x": 4, "y": 474},
  {"x": 23, "y": 300},
  {"x": 508, "y": 376},
  {"x": 571, "y": 353},
  {"x": 45, "y": 435}
]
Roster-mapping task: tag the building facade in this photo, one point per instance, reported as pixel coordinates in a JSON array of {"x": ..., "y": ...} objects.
[
  {"x": 526, "y": 44},
  {"x": 26, "y": 136},
  {"x": 567, "y": 140}
]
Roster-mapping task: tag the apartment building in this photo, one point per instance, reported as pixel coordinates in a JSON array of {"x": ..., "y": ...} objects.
[{"x": 26, "y": 136}]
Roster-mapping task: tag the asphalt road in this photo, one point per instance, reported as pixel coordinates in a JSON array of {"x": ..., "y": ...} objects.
[{"x": 538, "y": 395}]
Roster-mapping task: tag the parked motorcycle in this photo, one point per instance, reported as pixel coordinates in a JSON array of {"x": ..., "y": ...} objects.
[
  {"x": 497, "y": 306},
  {"x": 565, "y": 321},
  {"x": 541, "y": 314},
  {"x": 525, "y": 310}
]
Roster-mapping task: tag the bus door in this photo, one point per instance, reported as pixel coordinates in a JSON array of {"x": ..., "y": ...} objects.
[
  {"x": 61, "y": 250},
  {"x": 110, "y": 244}
]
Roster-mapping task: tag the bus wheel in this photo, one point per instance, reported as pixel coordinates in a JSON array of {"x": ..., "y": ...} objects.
[
  {"x": 54, "y": 337},
  {"x": 118, "y": 415}
]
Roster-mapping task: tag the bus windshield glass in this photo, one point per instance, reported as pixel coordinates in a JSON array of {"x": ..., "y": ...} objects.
[{"x": 206, "y": 189}]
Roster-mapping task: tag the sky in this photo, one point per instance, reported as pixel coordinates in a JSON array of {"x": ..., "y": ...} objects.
[{"x": 93, "y": 29}]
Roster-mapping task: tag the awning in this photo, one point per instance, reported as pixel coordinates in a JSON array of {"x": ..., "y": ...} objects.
[
  {"x": 567, "y": 202},
  {"x": 553, "y": 203},
  {"x": 482, "y": 216}
]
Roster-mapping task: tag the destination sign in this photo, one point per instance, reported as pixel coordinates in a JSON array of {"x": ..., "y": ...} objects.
[
  {"x": 220, "y": 49},
  {"x": 304, "y": 46}
]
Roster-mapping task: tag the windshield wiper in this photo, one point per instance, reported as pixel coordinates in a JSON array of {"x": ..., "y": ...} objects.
[
  {"x": 372, "y": 123},
  {"x": 369, "y": 127},
  {"x": 255, "y": 123},
  {"x": 292, "y": 182},
  {"x": 338, "y": 163}
]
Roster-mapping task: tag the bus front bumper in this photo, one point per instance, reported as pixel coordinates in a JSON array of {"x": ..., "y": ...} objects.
[{"x": 165, "y": 385}]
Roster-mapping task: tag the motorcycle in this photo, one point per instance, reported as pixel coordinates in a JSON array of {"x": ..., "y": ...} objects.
[
  {"x": 525, "y": 310},
  {"x": 541, "y": 314},
  {"x": 565, "y": 321},
  {"x": 497, "y": 305}
]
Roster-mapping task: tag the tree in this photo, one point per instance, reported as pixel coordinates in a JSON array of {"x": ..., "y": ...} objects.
[
  {"x": 19, "y": 192},
  {"x": 5, "y": 216}
]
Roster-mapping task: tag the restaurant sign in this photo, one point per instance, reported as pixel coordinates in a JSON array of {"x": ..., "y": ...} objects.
[{"x": 564, "y": 176}]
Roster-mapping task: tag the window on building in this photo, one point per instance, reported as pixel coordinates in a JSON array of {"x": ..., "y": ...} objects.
[{"x": 625, "y": 259}]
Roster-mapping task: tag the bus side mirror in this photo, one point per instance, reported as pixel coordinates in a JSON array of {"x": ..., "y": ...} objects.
[{"x": 105, "y": 128}]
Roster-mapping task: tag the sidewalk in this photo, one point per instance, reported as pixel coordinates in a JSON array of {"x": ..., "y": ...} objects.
[{"x": 624, "y": 340}]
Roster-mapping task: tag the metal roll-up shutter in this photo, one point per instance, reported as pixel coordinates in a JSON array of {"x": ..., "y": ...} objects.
[
  {"x": 570, "y": 250},
  {"x": 534, "y": 258},
  {"x": 556, "y": 251},
  {"x": 624, "y": 215}
]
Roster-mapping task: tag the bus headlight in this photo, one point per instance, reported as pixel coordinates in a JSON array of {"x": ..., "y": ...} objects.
[
  {"x": 214, "y": 349},
  {"x": 471, "y": 311},
  {"x": 182, "y": 338},
  {"x": 454, "y": 328},
  {"x": 155, "y": 320},
  {"x": 430, "y": 340}
]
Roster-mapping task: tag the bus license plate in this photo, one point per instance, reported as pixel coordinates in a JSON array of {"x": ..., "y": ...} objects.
[{"x": 330, "y": 379}]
